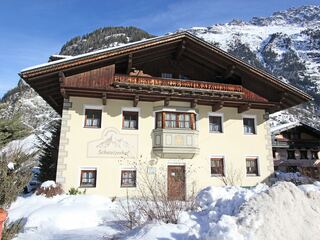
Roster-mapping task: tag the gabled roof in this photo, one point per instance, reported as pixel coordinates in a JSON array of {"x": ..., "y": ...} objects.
[
  {"x": 51, "y": 70},
  {"x": 287, "y": 126}
]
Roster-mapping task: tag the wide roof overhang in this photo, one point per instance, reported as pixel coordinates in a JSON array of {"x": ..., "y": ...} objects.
[{"x": 44, "y": 78}]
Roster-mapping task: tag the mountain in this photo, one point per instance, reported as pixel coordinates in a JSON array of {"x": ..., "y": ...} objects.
[
  {"x": 286, "y": 44},
  {"x": 103, "y": 38}
]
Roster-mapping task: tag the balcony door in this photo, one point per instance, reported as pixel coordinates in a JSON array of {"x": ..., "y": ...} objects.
[{"x": 176, "y": 183}]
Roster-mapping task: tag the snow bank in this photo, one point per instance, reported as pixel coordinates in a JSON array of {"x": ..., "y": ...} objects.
[
  {"x": 53, "y": 217},
  {"x": 283, "y": 211},
  {"x": 296, "y": 177}
]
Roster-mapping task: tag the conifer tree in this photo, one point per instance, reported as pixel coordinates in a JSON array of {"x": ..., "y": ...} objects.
[{"x": 49, "y": 146}]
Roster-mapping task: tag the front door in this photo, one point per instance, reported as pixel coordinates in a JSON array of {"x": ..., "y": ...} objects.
[{"x": 176, "y": 183}]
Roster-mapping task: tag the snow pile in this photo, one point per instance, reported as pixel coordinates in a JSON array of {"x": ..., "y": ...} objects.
[
  {"x": 228, "y": 213},
  {"x": 48, "y": 184},
  {"x": 61, "y": 216}
]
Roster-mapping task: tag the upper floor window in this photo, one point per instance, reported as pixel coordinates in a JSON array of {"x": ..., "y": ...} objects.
[
  {"x": 182, "y": 76},
  {"x": 128, "y": 178},
  {"x": 215, "y": 124},
  {"x": 88, "y": 178},
  {"x": 92, "y": 118},
  {"x": 303, "y": 154},
  {"x": 291, "y": 154},
  {"x": 166, "y": 75},
  {"x": 249, "y": 125},
  {"x": 175, "y": 120},
  {"x": 130, "y": 120},
  {"x": 252, "y": 166},
  {"x": 217, "y": 167}
]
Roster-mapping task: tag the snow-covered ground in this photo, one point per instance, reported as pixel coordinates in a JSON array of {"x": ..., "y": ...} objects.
[{"x": 282, "y": 211}]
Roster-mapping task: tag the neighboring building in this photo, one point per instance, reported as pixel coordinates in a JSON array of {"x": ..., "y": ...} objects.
[
  {"x": 296, "y": 148},
  {"x": 174, "y": 107}
]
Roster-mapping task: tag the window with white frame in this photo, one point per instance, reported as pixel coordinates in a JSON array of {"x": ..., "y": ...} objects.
[
  {"x": 130, "y": 120},
  {"x": 88, "y": 178},
  {"x": 128, "y": 178},
  {"x": 93, "y": 118},
  {"x": 252, "y": 166},
  {"x": 249, "y": 125},
  {"x": 217, "y": 166},
  {"x": 215, "y": 124}
]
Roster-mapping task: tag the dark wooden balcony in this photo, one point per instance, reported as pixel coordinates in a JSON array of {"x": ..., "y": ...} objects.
[{"x": 217, "y": 89}]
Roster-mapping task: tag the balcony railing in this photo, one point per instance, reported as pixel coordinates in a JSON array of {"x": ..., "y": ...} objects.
[{"x": 236, "y": 90}]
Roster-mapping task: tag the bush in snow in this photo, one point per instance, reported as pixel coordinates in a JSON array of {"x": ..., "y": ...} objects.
[
  {"x": 49, "y": 189},
  {"x": 152, "y": 204},
  {"x": 76, "y": 191},
  {"x": 15, "y": 173}
]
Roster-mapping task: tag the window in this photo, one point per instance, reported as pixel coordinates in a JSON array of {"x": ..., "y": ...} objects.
[
  {"x": 291, "y": 154},
  {"x": 166, "y": 75},
  {"x": 249, "y": 126},
  {"x": 128, "y": 178},
  {"x": 303, "y": 154},
  {"x": 217, "y": 167},
  {"x": 88, "y": 178},
  {"x": 175, "y": 120},
  {"x": 215, "y": 124},
  {"x": 252, "y": 166},
  {"x": 92, "y": 118},
  {"x": 182, "y": 76},
  {"x": 130, "y": 120}
]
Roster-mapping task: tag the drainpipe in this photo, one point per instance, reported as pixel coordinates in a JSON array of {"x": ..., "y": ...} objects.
[{"x": 3, "y": 217}]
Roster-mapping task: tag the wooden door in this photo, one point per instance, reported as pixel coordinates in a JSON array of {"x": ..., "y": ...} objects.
[{"x": 176, "y": 183}]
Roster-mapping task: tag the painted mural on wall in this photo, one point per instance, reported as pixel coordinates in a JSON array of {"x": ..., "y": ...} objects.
[{"x": 114, "y": 144}]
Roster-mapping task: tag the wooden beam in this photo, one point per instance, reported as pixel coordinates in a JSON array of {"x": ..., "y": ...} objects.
[
  {"x": 129, "y": 67},
  {"x": 194, "y": 103},
  {"x": 62, "y": 79},
  {"x": 104, "y": 98},
  {"x": 230, "y": 71},
  {"x": 244, "y": 108},
  {"x": 180, "y": 51},
  {"x": 166, "y": 101},
  {"x": 136, "y": 100},
  {"x": 217, "y": 106},
  {"x": 64, "y": 93}
]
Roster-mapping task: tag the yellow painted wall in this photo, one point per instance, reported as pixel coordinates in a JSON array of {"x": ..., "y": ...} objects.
[{"x": 233, "y": 144}]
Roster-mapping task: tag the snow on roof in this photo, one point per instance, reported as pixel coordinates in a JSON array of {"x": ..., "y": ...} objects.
[
  {"x": 285, "y": 126},
  {"x": 70, "y": 58}
]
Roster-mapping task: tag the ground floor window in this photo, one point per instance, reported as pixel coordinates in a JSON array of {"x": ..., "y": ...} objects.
[
  {"x": 128, "y": 178},
  {"x": 88, "y": 178},
  {"x": 314, "y": 155},
  {"x": 217, "y": 166},
  {"x": 252, "y": 166}
]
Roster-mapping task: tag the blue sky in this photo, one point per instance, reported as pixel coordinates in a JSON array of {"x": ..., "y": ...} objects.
[{"x": 32, "y": 30}]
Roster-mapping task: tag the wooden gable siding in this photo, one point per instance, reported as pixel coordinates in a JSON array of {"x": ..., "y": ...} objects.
[{"x": 100, "y": 78}]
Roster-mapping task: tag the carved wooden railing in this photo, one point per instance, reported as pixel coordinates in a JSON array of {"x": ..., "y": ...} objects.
[
  {"x": 177, "y": 83},
  {"x": 182, "y": 83}
]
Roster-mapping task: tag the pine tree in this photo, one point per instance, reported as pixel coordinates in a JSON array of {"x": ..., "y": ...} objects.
[
  {"x": 48, "y": 157},
  {"x": 11, "y": 129}
]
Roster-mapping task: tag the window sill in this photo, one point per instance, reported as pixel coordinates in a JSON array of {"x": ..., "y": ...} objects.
[
  {"x": 91, "y": 127},
  {"x": 87, "y": 186},
  {"x": 250, "y": 134},
  {"x": 215, "y": 132},
  {"x": 130, "y": 129},
  {"x": 122, "y": 186},
  {"x": 217, "y": 175},
  {"x": 253, "y": 175}
]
